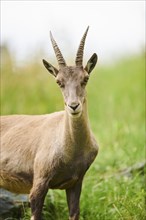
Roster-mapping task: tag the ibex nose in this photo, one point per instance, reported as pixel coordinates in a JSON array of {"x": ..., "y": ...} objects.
[{"x": 74, "y": 107}]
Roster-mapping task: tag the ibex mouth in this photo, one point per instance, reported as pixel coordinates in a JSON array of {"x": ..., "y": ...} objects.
[
  {"x": 75, "y": 114},
  {"x": 74, "y": 111}
]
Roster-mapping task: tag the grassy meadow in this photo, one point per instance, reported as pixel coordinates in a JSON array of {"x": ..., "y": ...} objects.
[{"x": 116, "y": 111}]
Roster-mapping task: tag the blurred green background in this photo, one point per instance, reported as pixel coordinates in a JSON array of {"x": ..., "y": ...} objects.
[{"x": 116, "y": 110}]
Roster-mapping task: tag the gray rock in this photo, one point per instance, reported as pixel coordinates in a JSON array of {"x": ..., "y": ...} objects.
[{"x": 11, "y": 205}]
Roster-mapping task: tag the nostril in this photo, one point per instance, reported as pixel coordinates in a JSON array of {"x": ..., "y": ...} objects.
[{"x": 74, "y": 107}]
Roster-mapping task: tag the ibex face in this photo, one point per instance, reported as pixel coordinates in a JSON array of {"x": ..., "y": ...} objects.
[{"x": 72, "y": 79}]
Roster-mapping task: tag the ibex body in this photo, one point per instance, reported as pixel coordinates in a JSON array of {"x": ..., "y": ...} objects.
[{"x": 51, "y": 151}]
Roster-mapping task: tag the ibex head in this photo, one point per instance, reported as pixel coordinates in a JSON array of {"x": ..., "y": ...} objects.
[{"x": 72, "y": 79}]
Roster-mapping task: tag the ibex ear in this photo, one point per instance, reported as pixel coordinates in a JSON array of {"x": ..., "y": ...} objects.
[
  {"x": 50, "y": 68},
  {"x": 91, "y": 63}
]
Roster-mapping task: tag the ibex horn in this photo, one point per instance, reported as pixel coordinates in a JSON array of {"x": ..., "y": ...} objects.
[
  {"x": 79, "y": 56},
  {"x": 60, "y": 59}
]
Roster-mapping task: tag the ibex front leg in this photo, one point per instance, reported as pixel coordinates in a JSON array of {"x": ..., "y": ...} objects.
[
  {"x": 73, "y": 200},
  {"x": 37, "y": 196}
]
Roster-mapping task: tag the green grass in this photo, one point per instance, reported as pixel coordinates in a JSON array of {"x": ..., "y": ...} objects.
[{"x": 116, "y": 110}]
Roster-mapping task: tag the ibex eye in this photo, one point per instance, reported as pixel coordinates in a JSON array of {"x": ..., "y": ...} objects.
[
  {"x": 84, "y": 82},
  {"x": 60, "y": 84},
  {"x": 86, "y": 79}
]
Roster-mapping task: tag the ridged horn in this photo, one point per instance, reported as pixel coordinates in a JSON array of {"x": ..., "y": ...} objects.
[
  {"x": 60, "y": 59},
  {"x": 79, "y": 56}
]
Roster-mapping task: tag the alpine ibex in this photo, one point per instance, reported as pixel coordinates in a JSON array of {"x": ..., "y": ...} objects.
[{"x": 53, "y": 151}]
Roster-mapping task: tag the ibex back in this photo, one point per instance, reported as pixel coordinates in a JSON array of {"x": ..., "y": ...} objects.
[{"x": 51, "y": 151}]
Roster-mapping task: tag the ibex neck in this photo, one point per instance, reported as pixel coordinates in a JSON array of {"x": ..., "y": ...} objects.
[{"x": 77, "y": 130}]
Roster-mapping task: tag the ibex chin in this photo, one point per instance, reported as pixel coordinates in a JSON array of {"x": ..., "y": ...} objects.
[{"x": 53, "y": 151}]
